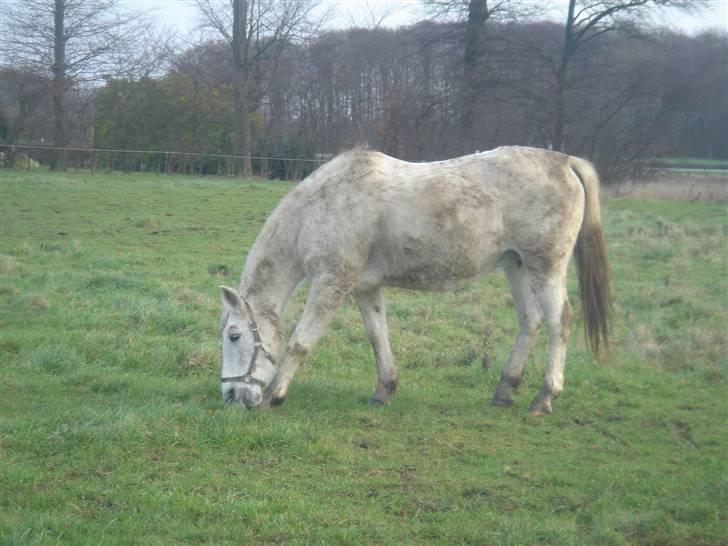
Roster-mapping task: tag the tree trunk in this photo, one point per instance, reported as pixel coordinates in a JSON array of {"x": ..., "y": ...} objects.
[
  {"x": 59, "y": 85},
  {"x": 562, "y": 83},
  {"x": 474, "y": 50},
  {"x": 241, "y": 94}
]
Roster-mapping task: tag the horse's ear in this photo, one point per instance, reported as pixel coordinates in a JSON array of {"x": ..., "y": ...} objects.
[{"x": 230, "y": 299}]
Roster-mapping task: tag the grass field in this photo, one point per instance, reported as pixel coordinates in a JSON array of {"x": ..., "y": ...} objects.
[{"x": 112, "y": 429}]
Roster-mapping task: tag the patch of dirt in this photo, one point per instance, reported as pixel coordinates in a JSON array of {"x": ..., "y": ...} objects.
[{"x": 683, "y": 186}]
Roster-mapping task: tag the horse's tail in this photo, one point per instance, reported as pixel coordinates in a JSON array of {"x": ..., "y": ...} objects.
[{"x": 591, "y": 263}]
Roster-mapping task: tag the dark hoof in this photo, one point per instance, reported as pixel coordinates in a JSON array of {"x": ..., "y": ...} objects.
[
  {"x": 503, "y": 392},
  {"x": 275, "y": 402},
  {"x": 502, "y": 402},
  {"x": 383, "y": 393}
]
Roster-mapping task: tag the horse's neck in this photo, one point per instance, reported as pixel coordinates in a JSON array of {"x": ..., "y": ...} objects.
[{"x": 268, "y": 281}]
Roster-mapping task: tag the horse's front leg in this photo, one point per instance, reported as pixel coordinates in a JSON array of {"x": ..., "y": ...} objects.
[
  {"x": 371, "y": 305},
  {"x": 324, "y": 298}
]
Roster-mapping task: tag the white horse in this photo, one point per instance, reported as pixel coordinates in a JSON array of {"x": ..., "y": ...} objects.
[{"x": 365, "y": 220}]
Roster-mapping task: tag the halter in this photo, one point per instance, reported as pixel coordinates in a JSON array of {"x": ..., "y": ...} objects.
[{"x": 257, "y": 348}]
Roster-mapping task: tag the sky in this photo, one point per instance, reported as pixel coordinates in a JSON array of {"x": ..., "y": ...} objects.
[{"x": 181, "y": 15}]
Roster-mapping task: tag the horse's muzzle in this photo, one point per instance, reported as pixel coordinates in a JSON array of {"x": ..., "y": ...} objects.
[
  {"x": 252, "y": 396},
  {"x": 248, "y": 395}
]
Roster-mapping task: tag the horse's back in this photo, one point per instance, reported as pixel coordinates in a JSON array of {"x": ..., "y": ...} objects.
[{"x": 428, "y": 225}]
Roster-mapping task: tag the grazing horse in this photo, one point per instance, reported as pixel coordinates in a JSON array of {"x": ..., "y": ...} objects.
[{"x": 365, "y": 220}]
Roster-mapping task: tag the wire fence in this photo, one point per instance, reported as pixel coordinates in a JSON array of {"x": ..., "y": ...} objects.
[{"x": 32, "y": 156}]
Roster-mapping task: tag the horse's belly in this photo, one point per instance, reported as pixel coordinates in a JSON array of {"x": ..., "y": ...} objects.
[
  {"x": 433, "y": 264},
  {"x": 416, "y": 281},
  {"x": 436, "y": 239}
]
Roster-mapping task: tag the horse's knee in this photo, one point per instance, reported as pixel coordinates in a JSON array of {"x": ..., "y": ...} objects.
[
  {"x": 299, "y": 349},
  {"x": 530, "y": 323},
  {"x": 533, "y": 325}
]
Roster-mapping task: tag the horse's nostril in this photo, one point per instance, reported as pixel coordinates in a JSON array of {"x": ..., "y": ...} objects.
[{"x": 229, "y": 396}]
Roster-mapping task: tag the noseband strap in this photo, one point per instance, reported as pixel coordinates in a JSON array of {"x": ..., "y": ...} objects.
[{"x": 248, "y": 378}]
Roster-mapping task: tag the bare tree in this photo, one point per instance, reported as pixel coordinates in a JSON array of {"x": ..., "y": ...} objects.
[
  {"x": 588, "y": 20},
  {"x": 257, "y": 32},
  {"x": 371, "y": 15},
  {"x": 75, "y": 42},
  {"x": 23, "y": 107},
  {"x": 476, "y": 14}
]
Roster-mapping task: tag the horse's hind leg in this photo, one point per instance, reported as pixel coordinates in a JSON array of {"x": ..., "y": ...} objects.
[
  {"x": 324, "y": 297},
  {"x": 557, "y": 313},
  {"x": 371, "y": 305},
  {"x": 529, "y": 321}
]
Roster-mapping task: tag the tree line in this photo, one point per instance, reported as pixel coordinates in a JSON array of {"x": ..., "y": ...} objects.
[{"x": 280, "y": 86}]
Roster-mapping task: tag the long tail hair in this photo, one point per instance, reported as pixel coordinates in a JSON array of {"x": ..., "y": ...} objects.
[{"x": 591, "y": 264}]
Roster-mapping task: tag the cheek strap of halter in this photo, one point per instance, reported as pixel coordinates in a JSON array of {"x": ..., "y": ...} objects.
[{"x": 248, "y": 377}]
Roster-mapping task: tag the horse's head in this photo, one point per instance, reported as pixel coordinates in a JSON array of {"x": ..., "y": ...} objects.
[{"x": 247, "y": 366}]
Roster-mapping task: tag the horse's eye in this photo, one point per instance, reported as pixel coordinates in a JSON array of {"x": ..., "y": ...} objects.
[{"x": 234, "y": 336}]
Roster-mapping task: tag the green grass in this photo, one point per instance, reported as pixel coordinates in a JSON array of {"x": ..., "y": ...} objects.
[{"x": 112, "y": 429}]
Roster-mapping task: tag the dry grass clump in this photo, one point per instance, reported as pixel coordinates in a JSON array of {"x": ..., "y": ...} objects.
[
  {"x": 674, "y": 186},
  {"x": 206, "y": 359},
  {"x": 36, "y": 302},
  {"x": 9, "y": 265}
]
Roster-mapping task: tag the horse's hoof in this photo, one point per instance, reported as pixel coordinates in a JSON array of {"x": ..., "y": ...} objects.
[
  {"x": 383, "y": 393},
  {"x": 503, "y": 395},
  {"x": 501, "y": 402},
  {"x": 540, "y": 412},
  {"x": 275, "y": 402},
  {"x": 541, "y": 405}
]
